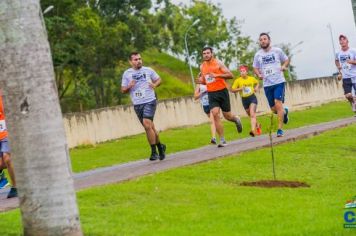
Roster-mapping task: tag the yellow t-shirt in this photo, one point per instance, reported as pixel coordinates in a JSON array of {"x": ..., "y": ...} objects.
[{"x": 248, "y": 84}]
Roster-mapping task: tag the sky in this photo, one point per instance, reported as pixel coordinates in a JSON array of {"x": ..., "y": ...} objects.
[{"x": 293, "y": 21}]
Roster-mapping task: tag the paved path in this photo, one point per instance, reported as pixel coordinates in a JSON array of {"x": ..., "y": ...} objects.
[{"x": 135, "y": 169}]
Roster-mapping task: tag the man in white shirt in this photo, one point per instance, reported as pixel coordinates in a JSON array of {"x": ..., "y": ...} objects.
[
  {"x": 345, "y": 61},
  {"x": 140, "y": 82},
  {"x": 268, "y": 64}
]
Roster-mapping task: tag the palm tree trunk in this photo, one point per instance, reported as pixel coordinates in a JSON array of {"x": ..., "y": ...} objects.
[{"x": 37, "y": 138}]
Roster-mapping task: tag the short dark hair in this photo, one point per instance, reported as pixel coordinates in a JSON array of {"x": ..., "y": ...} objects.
[
  {"x": 265, "y": 34},
  {"x": 207, "y": 48},
  {"x": 342, "y": 36},
  {"x": 133, "y": 54}
]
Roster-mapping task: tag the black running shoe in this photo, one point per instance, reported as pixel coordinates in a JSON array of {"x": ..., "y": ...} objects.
[
  {"x": 162, "y": 152},
  {"x": 12, "y": 193},
  {"x": 238, "y": 124},
  {"x": 285, "y": 116},
  {"x": 154, "y": 156},
  {"x": 213, "y": 141}
]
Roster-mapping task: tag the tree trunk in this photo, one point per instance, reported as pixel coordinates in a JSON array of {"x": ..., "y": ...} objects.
[{"x": 34, "y": 119}]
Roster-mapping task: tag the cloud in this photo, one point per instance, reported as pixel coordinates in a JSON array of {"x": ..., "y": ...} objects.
[{"x": 295, "y": 21}]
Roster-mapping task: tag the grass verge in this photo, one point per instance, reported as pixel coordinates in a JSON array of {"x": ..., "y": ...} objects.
[
  {"x": 206, "y": 199},
  {"x": 136, "y": 147}
]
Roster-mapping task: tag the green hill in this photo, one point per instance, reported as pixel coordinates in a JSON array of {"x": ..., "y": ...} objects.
[{"x": 176, "y": 80}]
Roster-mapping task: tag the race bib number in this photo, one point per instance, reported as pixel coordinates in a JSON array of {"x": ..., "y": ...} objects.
[
  {"x": 246, "y": 91},
  {"x": 346, "y": 66},
  {"x": 209, "y": 79},
  {"x": 268, "y": 71},
  {"x": 2, "y": 125},
  {"x": 139, "y": 94}
]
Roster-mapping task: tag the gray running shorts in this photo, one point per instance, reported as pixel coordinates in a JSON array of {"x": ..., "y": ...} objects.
[{"x": 146, "y": 110}]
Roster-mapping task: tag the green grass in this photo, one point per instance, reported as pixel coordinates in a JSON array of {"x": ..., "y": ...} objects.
[
  {"x": 176, "y": 80},
  {"x": 206, "y": 199},
  {"x": 171, "y": 87},
  {"x": 169, "y": 63},
  {"x": 136, "y": 147}
]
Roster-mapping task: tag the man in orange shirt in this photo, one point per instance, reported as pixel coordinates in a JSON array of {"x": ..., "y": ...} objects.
[
  {"x": 5, "y": 161},
  {"x": 213, "y": 74}
]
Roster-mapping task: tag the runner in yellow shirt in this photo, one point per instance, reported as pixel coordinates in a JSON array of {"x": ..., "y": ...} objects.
[{"x": 247, "y": 86}]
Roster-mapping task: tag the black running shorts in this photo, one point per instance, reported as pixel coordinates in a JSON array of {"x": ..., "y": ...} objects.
[
  {"x": 220, "y": 99},
  {"x": 247, "y": 101}
]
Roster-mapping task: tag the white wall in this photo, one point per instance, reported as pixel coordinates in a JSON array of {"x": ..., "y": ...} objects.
[{"x": 105, "y": 124}]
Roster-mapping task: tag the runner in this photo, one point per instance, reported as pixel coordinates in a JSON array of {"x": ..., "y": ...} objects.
[
  {"x": 345, "y": 61},
  {"x": 268, "y": 64},
  {"x": 5, "y": 158},
  {"x": 247, "y": 86},
  {"x": 140, "y": 82},
  {"x": 201, "y": 93},
  {"x": 213, "y": 74}
]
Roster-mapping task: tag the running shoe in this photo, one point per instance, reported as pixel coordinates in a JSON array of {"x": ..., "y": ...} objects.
[
  {"x": 12, "y": 193},
  {"x": 4, "y": 183},
  {"x": 222, "y": 144},
  {"x": 259, "y": 129},
  {"x": 252, "y": 134},
  {"x": 154, "y": 156},
  {"x": 213, "y": 141},
  {"x": 280, "y": 133},
  {"x": 238, "y": 124},
  {"x": 162, "y": 152},
  {"x": 285, "y": 117}
]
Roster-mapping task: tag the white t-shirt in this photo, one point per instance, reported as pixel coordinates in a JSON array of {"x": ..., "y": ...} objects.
[
  {"x": 347, "y": 70},
  {"x": 204, "y": 99},
  {"x": 269, "y": 64},
  {"x": 141, "y": 92}
]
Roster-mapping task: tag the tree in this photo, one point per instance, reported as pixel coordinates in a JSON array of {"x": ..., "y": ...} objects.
[
  {"x": 290, "y": 74},
  {"x": 37, "y": 137}
]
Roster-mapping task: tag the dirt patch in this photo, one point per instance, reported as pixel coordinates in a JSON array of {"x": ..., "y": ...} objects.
[{"x": 276, "y": 184}]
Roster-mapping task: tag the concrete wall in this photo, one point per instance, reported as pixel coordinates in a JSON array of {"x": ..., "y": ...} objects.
[{"x": 105, "y": 124}]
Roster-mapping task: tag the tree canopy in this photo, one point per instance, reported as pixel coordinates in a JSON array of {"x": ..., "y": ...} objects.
[{"x": 91, "y": 39}]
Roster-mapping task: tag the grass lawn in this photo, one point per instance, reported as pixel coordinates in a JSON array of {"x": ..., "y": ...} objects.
[
  {"x": 136, "y": 147},
  {"x": 206, "y": 199}
]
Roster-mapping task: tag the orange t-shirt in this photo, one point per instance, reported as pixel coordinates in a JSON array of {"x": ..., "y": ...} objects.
[
  {"x": 213, "y": 84},
  {"x": 3, "y": 129}
]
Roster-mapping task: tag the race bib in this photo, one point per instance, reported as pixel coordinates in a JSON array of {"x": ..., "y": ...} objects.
[
  {"x": 209, "y": 79},
  {"x": 346, "y": 66},
  {"x": 139, "y": 94},
  {"x": 246, "y": 91},
  {"x": 2, "y": 126},
  {"x": 268, "y": 71}
]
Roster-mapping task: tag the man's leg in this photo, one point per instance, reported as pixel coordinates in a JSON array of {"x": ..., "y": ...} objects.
[
  {"x": 212, "y": 128},
  {"x": 252, "y": 114},
  {"x": 3, "y": 180},
  {"x": 353, "y": 80},
  {"x": 152, "y": 136},
  {"x": 215, "y": 113},
  {"x": 226, "y": 110},
  {"x": 347, "y": 86},
  {"x": 278, "y": 108},
  {"x": 10, "y": 169},
  {"x": 160, "y": 146}
]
